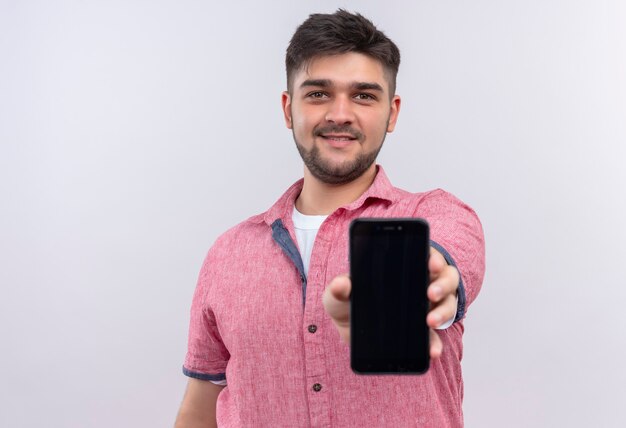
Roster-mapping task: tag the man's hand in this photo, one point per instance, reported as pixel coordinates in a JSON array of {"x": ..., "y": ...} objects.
[{"x": 444, "y": 281}]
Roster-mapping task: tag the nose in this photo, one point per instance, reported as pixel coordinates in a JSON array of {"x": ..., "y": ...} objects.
[{"x": 340, "y": 111}]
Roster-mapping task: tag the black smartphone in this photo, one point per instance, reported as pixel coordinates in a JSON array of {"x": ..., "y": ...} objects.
[{"x": 388, "y": 302}]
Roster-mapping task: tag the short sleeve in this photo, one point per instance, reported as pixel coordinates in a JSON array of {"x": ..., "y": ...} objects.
[
  {"x": 457, "y": 233},
  {"x": 206, "y": 354}
]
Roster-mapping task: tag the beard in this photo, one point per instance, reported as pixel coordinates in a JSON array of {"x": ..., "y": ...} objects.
[{"x": 342, "y": 173}]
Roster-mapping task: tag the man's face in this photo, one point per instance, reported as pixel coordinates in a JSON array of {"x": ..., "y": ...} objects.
[{"x": 340, "y": 110}]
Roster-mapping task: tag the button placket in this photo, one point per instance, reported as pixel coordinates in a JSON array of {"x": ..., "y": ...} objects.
[{"x": 316, "y": 365}]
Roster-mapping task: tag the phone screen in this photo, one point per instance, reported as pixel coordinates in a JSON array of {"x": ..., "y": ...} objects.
[{"x": 389, "y": 272}]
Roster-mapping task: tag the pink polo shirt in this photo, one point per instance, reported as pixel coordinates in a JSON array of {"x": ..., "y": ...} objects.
[{"x": 258, "y": 322}]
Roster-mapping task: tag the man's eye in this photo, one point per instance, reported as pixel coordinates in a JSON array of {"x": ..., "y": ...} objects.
[
  {"x": 365, "y": 97},
  {"x": 316, "y": 94}
]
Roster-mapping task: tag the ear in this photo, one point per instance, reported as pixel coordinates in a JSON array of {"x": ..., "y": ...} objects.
[
  {"x": 393, "y": 113},
  {"x": 286, "y": 103}
]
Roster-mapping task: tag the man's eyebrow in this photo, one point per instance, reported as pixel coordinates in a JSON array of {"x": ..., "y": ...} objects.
[
  {"x": 367, "y": 86},
  {"x": 321, "y": 83}
]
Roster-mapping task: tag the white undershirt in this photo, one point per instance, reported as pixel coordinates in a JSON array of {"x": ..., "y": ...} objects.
[{"x": 306, "y": 227}]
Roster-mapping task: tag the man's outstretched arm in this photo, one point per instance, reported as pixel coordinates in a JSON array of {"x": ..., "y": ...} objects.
[{"x": 198, "y": 407}]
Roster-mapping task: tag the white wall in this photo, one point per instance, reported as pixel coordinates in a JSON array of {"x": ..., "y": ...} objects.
[{"x": 132, "y": 133}]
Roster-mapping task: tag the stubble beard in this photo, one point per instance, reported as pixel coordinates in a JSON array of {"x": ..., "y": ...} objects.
[{"x": 336, "y": 174}]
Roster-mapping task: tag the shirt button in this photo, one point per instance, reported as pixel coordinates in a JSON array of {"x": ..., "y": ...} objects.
[
  {"x": 312, "y": 328},
  {"x": 317, "y": 387}
]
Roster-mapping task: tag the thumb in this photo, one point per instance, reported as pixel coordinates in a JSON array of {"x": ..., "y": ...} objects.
[
  {"x": 340, "y": 288},
  {"x": 336, "y": 302}
]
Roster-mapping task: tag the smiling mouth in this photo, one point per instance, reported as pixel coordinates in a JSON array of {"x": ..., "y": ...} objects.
[
  {"x": 338, "y": 137},
  {"x": 339, "y": 141}
]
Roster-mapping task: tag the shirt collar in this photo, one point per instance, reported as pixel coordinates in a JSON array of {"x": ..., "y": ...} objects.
[{"x": 380, "y": 189}]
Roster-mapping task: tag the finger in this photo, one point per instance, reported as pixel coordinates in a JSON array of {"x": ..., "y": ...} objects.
[
  {"x": 436, "y": 345},
  {"x": 442, "y": 312},
  {"x": 445, "y": 284},
  {"x": 436, "y": 263}
]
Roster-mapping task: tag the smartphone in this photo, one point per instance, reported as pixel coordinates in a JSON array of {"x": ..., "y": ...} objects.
[{"x": 388, "y": 302}]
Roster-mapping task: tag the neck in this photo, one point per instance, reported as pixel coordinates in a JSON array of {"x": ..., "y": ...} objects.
[{"x": 319, "y": 198}]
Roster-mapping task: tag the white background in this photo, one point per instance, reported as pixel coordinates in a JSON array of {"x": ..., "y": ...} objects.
[{"x": 132, "y": 133}]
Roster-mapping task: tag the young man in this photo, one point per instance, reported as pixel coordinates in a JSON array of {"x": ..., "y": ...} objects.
[{"x": 270, "y": 315}]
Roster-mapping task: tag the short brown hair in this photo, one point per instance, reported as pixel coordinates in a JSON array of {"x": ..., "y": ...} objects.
[{"x": 338, "y": 33}]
